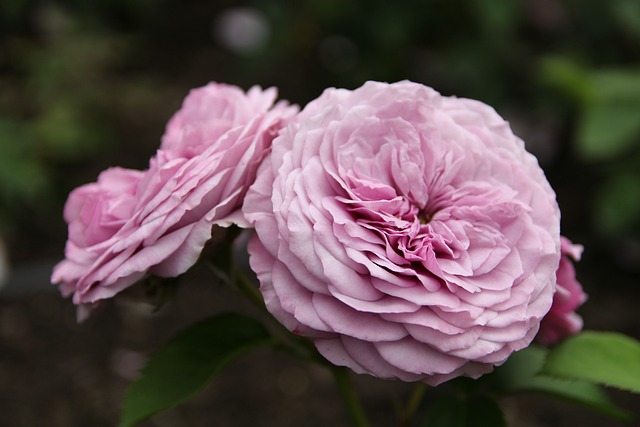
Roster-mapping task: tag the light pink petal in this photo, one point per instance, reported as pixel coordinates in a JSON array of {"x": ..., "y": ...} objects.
[
  {"x": 130, "y": 224},
  {"x": 365, "y": 326},
  {"x": 413, "y": 228}
]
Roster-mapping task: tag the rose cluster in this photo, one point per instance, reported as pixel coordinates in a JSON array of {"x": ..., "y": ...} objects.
[
  {"x": 408, "y": 234},
  {"x": 131, "y": 223}
]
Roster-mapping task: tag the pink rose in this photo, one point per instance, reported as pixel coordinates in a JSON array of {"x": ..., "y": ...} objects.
[
  {"x": 410, "y": 235},
  {"x": 562, "y": 321},
  {"x": 209, "y": 112},
  {"x": 130, "y": 223}
]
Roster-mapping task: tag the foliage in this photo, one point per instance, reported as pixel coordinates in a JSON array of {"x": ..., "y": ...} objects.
[
  {"x": 605, "y": 358},
  {"x": 570, "y": 371},
  {"x": 521, "y": 374},
  {"x": 72, "y": 70},
  {"x": 84, "y": 85},
  {"x": 188, "y": 363}
]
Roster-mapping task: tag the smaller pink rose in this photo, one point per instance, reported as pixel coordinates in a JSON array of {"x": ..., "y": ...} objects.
[
  {"x": 97, "y": 214},
  {"x": 191, "y": 130},
  {"x": 562, "y": 321},
  {"x": 131, "y": 224}
]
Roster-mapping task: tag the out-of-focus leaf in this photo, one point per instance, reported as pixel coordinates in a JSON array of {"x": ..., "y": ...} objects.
[
  {"x": 12, "y": 11},
  {"x": 627, "y": 14},
  {"x": 606, "y": 358},
  {"x": 188, "y": 363},
  {"x": 520, "y": 374},
  {"x": 21, "y": 176},
  {"x": 74, "y": 68},
  {"x": 567, "y": 77},
  {"x": 497, "y": 18},
  {"x": 63, "y": 132},
  {"x": 617, "y": 206},
  {"x": 610, "y": 124},
  {"x": 474, "y": 412}
]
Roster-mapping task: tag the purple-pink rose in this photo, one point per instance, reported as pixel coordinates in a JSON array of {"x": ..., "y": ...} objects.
[
  {"x": 409, "y": 234},
  {"x": 562, "y": 321},
  {"x": 131, "y": 224}
]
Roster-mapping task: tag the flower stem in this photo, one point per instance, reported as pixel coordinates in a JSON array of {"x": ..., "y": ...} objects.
[
  {"x": 412, "y": 405},
  {"x": 301, "y": 347},
  {"x": 247, "y": 288},
  {"x": 341, "y": 376},
  {"x": 295, "y": 345}
]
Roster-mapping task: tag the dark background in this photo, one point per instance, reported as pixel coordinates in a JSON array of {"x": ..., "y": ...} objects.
[{"x": 88, "y": 85}]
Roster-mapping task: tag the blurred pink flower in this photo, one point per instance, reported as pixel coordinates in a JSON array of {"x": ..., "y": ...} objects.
[
  {"x": 562, "y": 320},
  {"x": 132, "y": 223},
  {"x": 410, "y": 235}
]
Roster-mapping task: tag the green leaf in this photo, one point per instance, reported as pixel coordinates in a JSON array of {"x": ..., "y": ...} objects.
[
  {"x": 606, "y": 358},
  {"x": 474, "y": 412},
  {"x": 64, "y": 131},
  {"x": 608, "y": 129},
  {"x": 610, "y": 124},
  {"x": 617, "y": 205},
  {"x": 627, "y": 15},
  {"x": 188, "y": 363},
  {"x": 22, "y": 176},
  {"x": 497, "y": 18},
  {"x": 567, "y": 77},
  {"x": 520, "y": 374}
]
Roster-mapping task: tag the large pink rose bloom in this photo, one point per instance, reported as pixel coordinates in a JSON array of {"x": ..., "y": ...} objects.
[
  {"x": 130, "y": 223},
  {"x": 562, "y": 321},
  {"x": 410, "y": 235}
]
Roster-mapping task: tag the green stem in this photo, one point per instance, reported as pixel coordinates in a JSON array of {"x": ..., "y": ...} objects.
[
  {"x": 412, "y": 405},
  {"x": 341, "y": 375},
  {"x": 298, "y": 346},
  {"x": 247, "y": 288},
  {"x": 239, "y": 281},
  {"x": 305, "y": 350}
]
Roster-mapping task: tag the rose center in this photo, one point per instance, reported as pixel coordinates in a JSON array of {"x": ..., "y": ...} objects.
[{"x": 424, "y": 217}]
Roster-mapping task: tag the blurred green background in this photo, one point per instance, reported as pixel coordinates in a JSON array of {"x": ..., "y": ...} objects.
[{"x": 88, "y": 85}]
